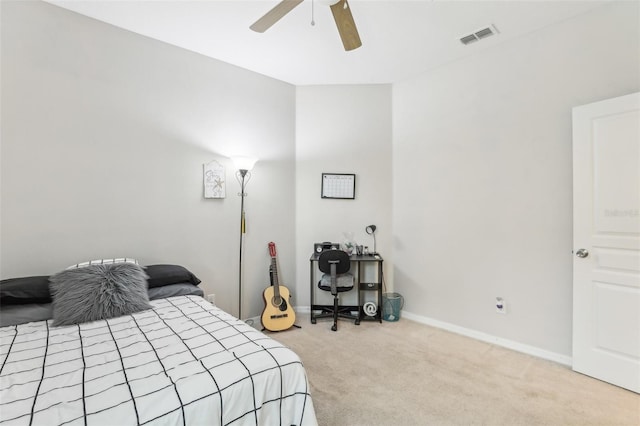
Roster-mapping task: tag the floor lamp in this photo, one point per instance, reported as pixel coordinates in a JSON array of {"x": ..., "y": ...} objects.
[{"x": 243, "y": 175}]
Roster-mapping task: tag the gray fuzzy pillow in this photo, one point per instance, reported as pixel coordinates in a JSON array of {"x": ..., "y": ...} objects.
[{"x": 98, "y": 292}]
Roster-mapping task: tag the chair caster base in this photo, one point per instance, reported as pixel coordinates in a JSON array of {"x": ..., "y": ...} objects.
[{"x": 334, "y": 327}]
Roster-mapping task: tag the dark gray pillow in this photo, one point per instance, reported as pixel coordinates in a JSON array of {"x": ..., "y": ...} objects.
[
  {"x": 98, "y": 292},
  {"x": 22, "y": 314},
  {"x": 171, "y": 290}
]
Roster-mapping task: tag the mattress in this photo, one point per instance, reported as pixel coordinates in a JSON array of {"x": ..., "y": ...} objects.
[{"x": 183, "y": 362}]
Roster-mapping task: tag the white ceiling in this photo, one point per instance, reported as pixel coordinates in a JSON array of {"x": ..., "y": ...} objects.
[{"x": 399, "y": 38}]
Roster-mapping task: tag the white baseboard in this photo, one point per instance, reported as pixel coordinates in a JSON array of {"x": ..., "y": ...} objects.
[
  {"x": 478, "y": 335},
  {"x": 302, "y": 309}
]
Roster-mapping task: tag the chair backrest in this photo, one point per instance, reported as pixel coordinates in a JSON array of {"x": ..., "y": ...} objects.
[{"x": 336, "y": 257}]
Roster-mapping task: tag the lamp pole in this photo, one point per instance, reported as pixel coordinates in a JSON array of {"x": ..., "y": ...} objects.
[{"x": 241, "y": 174}]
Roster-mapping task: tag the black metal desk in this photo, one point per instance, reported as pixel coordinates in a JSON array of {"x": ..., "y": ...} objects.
[{"x": 361, "y": 262}]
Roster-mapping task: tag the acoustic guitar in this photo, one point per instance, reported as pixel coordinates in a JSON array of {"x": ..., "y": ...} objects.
[{"x": 278, "y": 314}]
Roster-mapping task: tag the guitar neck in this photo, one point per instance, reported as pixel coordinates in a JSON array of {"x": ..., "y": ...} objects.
[{"x": 274, "y": 272}]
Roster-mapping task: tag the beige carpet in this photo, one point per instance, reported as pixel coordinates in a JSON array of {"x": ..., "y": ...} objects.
[{"x": 406, "y": 373}]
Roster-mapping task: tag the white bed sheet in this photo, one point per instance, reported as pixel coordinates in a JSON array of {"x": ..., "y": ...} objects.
[{"x": 184, "y": 362}]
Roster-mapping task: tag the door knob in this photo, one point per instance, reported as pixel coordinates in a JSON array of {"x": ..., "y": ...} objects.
[{"x": 582, "y": 253}]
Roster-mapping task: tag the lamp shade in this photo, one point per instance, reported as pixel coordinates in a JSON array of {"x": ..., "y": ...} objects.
[
  {"x": 370, "y": 229},
  {"x": 244, "y": 163}
]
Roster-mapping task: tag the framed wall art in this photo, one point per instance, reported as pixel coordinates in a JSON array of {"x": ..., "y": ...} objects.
[{"x": 214, "y": 180}]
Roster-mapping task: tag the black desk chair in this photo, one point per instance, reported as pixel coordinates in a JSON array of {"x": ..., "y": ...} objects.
[{"x": 335, "y": 265}]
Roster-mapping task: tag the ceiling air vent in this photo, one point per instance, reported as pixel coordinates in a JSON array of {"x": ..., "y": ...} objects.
[{"x": 479, "y": 35}]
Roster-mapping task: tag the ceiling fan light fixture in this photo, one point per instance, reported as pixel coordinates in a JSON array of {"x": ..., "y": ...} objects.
[{"x": 341, "y": 15}]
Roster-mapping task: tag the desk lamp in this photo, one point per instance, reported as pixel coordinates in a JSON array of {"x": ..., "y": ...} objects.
[{"x": 371, "y": 229}]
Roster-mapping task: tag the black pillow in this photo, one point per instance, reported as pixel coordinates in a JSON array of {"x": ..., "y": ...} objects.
[
  {"x": 25, "y": 290},
  {"x": 161, "y": 275}
]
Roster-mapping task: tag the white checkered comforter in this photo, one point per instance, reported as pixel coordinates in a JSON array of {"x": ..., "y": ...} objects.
[{"x": 184, "y": 362}]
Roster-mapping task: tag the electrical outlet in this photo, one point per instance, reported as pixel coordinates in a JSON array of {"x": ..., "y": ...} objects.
[
  {"x": 211, "y": 298},
  {"x": 501, "y": 306}
]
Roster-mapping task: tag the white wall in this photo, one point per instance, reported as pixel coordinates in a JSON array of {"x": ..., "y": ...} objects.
[
  {"x": 342, "y": 129},
  {"x": 482, "y": 193},
  {"x": 104, "y": 134}
]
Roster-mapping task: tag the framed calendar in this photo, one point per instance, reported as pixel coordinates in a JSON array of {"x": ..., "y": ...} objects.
[{"x": 338, "y": 185}]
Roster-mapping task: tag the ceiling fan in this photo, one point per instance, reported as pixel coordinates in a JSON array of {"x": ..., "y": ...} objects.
[{"x": 341, "y": 14}]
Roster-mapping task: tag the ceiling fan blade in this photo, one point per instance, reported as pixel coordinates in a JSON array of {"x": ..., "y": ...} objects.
[
  {"x": 346, "y": 25},
  {"x": 274, "y": 15}
]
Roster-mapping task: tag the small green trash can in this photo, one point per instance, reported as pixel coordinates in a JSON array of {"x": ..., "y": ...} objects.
[{"x": 392, "y": 304}]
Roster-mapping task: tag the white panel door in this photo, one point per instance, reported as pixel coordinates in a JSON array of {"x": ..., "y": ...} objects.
[{"x": 606, "y": 237}]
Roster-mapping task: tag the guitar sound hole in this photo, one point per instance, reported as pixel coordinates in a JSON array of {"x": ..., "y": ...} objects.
[{"x": 279, "y": 303}]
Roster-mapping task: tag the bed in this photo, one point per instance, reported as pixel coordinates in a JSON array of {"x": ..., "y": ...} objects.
[{"x": 181, "y": 361}]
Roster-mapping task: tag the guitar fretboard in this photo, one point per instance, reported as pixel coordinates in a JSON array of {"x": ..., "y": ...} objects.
[{"x": 274, "y": 273}]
